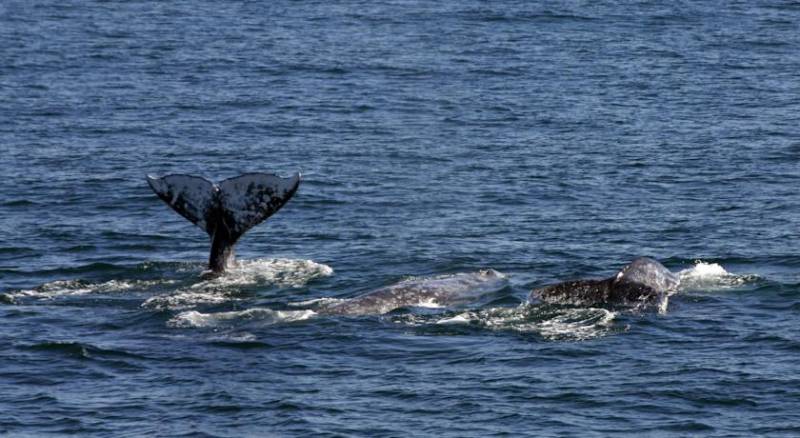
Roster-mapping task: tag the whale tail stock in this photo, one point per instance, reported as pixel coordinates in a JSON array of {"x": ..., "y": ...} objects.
[{"x": 226, "y": 210}]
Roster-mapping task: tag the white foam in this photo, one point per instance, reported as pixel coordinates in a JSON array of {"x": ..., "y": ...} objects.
[
  {"x": 316, "y": 302},
  {"x": 705, "y": 276},
  {"x": 562, "y": 324},
  {"x": 429, "y": 303},
  {"x": 458, "y": 319},
  {"x": 184, "y": 299},
  {"x": 195, "y": 319},
  {"x": 577, "y": 324},
  {"x": 662, "y": 306},
  {"x": 61, "y": 288},
  {"x": 235, "y": 337},
  {"x": 280, "y": 272},
  {"x": 702, "y": 269}
]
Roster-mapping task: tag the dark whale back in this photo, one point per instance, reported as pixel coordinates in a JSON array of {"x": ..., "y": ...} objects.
[
  {"x": 576, "y": 292},
  {"x": 643, "y": 282}
]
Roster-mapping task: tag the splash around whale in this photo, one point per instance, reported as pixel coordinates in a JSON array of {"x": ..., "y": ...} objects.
[{"x": 227, "y": 210}]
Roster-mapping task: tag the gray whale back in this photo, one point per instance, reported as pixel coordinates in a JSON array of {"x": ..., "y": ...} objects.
[
  {"x": 441, "y": 291},
  {"x": 225, "y": 211}
]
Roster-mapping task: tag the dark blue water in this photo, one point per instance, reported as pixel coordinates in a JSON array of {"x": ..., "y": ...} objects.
[{"x": 548, "y": 142}]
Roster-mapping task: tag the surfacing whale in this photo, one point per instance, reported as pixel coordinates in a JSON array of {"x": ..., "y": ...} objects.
[
  {"x": 643, "y": 283},
  {"x": 226, "y": 210},
  {"x": 441, "y": 291}
]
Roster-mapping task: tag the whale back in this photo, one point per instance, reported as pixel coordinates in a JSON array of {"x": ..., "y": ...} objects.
[
  {"x": 440, "y": 291},
  {"x": 575, "y": 292},
  {"x": 642, "y": 283}
]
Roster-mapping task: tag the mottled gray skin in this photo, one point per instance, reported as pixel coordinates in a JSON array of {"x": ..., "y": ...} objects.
[
  {"x": 226, "y": 210},
  {"x": 643, "y": 283},
  {"x": 444, "y": 291}
]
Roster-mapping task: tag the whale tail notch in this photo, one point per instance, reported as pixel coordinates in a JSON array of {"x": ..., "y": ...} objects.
[{"x": 225, "y": 211}]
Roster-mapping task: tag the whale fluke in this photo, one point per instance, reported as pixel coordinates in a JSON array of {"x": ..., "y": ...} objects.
[
  {"x": 225, "y": 211},
  {"x": 191, "y": 196}
]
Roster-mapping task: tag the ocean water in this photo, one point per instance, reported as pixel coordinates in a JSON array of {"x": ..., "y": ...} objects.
[{"x": 546, "y": 140}]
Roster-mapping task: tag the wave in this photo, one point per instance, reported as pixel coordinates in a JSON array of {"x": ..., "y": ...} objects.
[
  {"x": 62, "y": 288},
  {"x": 574, "y": 324},
  {"x": 184, "y": 299},
  {"x": 279, "y": 272},
  {"x": 97, "y": 271},
  {"x": 548, "y": 322},
  {"x": 263, "y": 316},
  {"x": 316, "y": 303},
  {"x": 81, "y": 349}
]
